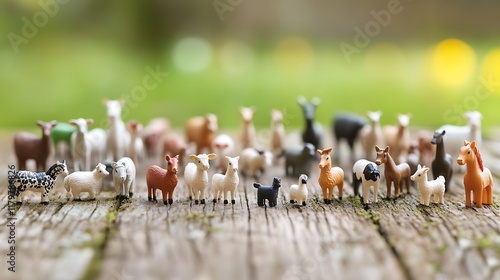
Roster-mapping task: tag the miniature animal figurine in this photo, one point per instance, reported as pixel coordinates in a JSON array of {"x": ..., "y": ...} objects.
[
  {"x": 86, "y": 146},
  {"x": 61, "y": 137},
  {"x": 298, "y": 193},
  {"x": 173, "y": 144},
  {"x": 442, "y": 163},
  {"x": 29, "y": 146},
  {"x": 85, "y": 181},
  {"x": 477, "y": 178},
  {"x": 223, "y": 146},
  {"x": 124, "y": 177},
  {"x": 158, "y": 178},
  {"x": 366, "y": 173},
  {"x": 371, "y": 134},
  {"x": 313, "y": 131},
  {"x": 118, "y": 138},
  {"x": 426, "y": 150},
  {"x": 396, "y": 174},
  {"x": 428, "y": 188},
  {"x": 223, "y": 184},
  {"x": 329, "y": 176},
  {"x": 278, "y": 133},
  {"x": 398, "y": 138},
  {"x": 254, "y": 162},
  {"x": 196, "y": 176},
  {"x": 347, "y": 126},
  {"x": 413, "y": 158},
  {"x": 135, "y": 147},
  {"x": 455, "y": 134},
  {"x": 41, "y": 182},
  {"x": 298, "y": 160},
  {"x": 201, "y": 131},
  {"x": 247, "y": 129},
  {"x": 268, "y": 192},
  {"x": 153, "y": 136}
]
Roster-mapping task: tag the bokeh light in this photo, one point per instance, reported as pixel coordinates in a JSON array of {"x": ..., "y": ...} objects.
[
  {"x": 491, "y": 68},
  {"x": 192, "y": 54},
  {"x": 236, "y": 58},
  {"x": 453, "y": 63}
]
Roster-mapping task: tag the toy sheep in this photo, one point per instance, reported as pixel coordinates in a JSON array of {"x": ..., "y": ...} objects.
[
  {"x": 254, "y": 162},
  {"x": 247, "y": 128},
  {"x": 124, "y": 177},
  {"x": 196, "y": 176},
  {"x": 223, "y": 146},
  {"x": 366, "y": 173},
  {"x": 173, "y": 144},
  {"x": 28, "y": 146},
  {"x": 313, "y": 130},
  {"x": 268, "y": 192},
  {"x": 135, "y": 148},
  {"x": 41, "y": 182},
  {"x": 118, "y": 138},
  {"x": 86, "y": 146},
  {"x": 228, "y": 182},
  {"x": 153, "y": 135},
  {"x": 278, "y": 133},
  {"x": 398, "y": 138},
  {"x": 201, "y": 131},
  {"x": 298, "y": 193},
  {"x": 298, "y": 160},
  {"x": 158, "y": 178},
  {"x": 85, "y": 181},
  {"x": 428, "y": 188}
]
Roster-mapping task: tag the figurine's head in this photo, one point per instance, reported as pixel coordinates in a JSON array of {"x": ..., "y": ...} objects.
[
  {"x": 308, "y": 108},
  {"x": 420, "y": 174},
  {"x": 438, "y": 137},
  {"x": 172, "y": 163},
  {"x": 382, "y": 155},
  {"x": 325, "y": 159},
  {"x": 276, "y": 183}
]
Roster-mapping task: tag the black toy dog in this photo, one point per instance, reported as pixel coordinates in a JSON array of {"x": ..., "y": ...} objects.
[{"x": 268, "y": 192}]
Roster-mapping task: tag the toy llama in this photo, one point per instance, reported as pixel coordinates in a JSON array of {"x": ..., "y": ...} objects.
[
  {"x": 329, "y": 176},
  {"x": 223, "y": 184},
  {"x": 247, "y": 137},
  {"x": 428, "y": 188}
]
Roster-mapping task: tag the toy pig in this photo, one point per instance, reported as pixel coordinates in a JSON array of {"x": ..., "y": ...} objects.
[{"x": 268, "y": 192}]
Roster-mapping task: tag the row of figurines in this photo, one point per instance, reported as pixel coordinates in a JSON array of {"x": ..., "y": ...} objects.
[{"x": 477, "y": 180}]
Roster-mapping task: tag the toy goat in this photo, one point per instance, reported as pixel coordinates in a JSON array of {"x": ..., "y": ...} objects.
[
  {"x": 329, "y": 176},
  {"x": 201, "y": 131},
  {"x": 456, "y": 134},
  {"x": 393, "y": 173},
  {"x": 398, "y": 138},
  {"x": 124, "y": 177},
  {"x": 118, "y": 138},
  {"x": 223, "y": 146},
  {"x": 442, "y": 163},
  {"x": 298, "y": 160},
  {"x": 428, "y": 188},
  {"x": 366, "y": 173},
  {"x": 41, "y": 182},
  {"x": 135, "y": 148},
  {"x": 85, "y": 181},
  {"x": 254, "y": 162},
  {"x": 268, "y": 192},
  {"x": 86, "y": 146},
  {"x": 29, "y": 146},
  {"x": 278, "y": 132},
  {"x": 371, "y": 134},
  {"x": 153, "y": 135},
  {"x": 223, "y": 184},
  {"x": 247, "y": 128},
  {"x": 196, "y": 176},
  {"x": 158, "y": 178},
  {"x": 477, "y": 178},
  {"x": 61, "y": 135},
  {"x": 175, "y": 145},
  {"x": 313, "y": 131},
  {"x": 298, "y": 193},
  {"x": 347, "y": 126}
]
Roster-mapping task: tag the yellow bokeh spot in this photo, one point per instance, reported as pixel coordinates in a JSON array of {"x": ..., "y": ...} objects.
[
  {"x": 491, "y": 69},
  {"x": 453, "y": 63},
  {"x": 294, "y": 54}
]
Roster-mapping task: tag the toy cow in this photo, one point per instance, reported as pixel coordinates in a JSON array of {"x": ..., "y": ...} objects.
[
  {"x": 201, "y": 131},
  {"x": 366, "y": 173},
  {"x": 298, "y": 193},
  {"x": 196, "y": 176},
  {"x": 228, "y": 182},
  {"x": 41, "y": 182},
  {"x": 158, "y": 178},
  {"x": 268, "y": 192},
  {"x": 124, "y": 177},
  {"x": 85, "y": 181},
  {"x": 347, "y": 126},
  {"x": 28, "y": 146},
  {"x": 298, "y": 160},
  {"x": 313, "y": 131}
]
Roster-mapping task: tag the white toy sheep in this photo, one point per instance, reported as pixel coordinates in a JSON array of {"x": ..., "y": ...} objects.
[
  {"x": 196, "y": 176},
  {"x": 254, "y": 162},
  {"x": 86, "y": 146},
  {"x": 124, "y": 177},
  {"x": 228, "y": 182},
  {"x": 428, "y": 188},
  {"x": 298, "y": 193},
  {"x": 223, "y": 145},
  {"x": 85, "y": 181}
]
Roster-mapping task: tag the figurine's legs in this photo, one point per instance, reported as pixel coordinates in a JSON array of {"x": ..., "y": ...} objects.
[
  {"x": 375, "y": 192},
  {"x": 388, "y": 183},
  {"x": 341, "y": 189},
  {"x": 233, "y": 201},
  {"x": 366, "y": 192},
  {"x": 91, "y": 194},
  {"x": 467, "y": 198}
]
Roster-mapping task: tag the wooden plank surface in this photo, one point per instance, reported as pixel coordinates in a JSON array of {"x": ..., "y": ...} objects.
[{"x": 138, "y": 239}]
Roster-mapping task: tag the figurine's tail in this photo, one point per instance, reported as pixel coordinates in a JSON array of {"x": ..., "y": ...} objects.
[{"x": 256, "y": 185}]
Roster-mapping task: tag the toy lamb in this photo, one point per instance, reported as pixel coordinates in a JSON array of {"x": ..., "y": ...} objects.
[
  {"x": 428, "y": 188},
  {"x": 196, "y": 176},
  {"x": 366, "y": 173},
  {"x": 298, "y": 193},
  {"x": 228, "y": 182},
  {"x": 254, "y": 162},
  {"x": 85, "y": 181},
  {"x": 268, "y": 192},
  {"x": 124, "y": 177}
]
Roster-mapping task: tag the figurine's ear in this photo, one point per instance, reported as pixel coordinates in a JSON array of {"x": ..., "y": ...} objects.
[
  {"x": 167, "y": 157},
  {"x": 329, "y": 150},
  {"x": 177, "y": 156},
  {"x": 39, "y": 123},
  {"x": 212, "y": 156},
  {"x": 319, "y": 152},
  {"x": 465, "y": 142},
  {"x": 444, "y": 131},
  {"x": 114, "y": 164},
  {"x": 53, "y": 123},
  {"x": 193, "y": 157},
  {"x": 473, "y": 144},
  {"x": 72, "y": 122},
  {"x": 426, "y": 169},
  {"x": 124, "y": 164},
  {"x": 386, "y": 150},
  {"x": 377, "y": 148},
  {"x": 228, "y": 157},
  {"x": 315, "y": 101},
  {"x": 419, "y": 167},
  {"x": 90, "y": 122},
  {"x": 237, "y": 158}
]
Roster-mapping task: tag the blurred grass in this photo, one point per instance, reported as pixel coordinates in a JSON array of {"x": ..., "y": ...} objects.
[{"x": 67, "y": 80}]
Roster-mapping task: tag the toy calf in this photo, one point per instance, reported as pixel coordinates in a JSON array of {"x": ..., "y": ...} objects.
[
  {"x": 428, "y": 188},
  {"x": 366, "y": 173},
  {"x": 299, "y": 160},
  {"x": 124, "y": 177},
  {"x": 158, "y": 178},
  {"x": 85, "y": 181},
  {"x": 298, "y": 193},
  {"x": 268, "y": 192}
]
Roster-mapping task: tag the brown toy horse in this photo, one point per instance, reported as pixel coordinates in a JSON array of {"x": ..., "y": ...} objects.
[
  {"x": 393, "y": 173},
  {"x": 158, "y": 178},
  {"x": 477, "y": 178},
  {"x": 29, "y": 146},
  {"x": 329, "y": 177}
]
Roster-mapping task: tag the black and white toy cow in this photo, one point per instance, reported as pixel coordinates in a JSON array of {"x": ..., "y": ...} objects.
[{"x": 367, "y": 173}]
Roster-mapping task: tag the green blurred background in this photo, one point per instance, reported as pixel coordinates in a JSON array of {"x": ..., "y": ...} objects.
[{"x": 59, "y": 60}]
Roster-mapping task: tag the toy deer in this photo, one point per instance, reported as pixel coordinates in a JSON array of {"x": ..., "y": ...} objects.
[
  {"x": 393, "y": 173},
  {"x": 28, "y": 146},
  {"x": 329, "y": 176}
]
